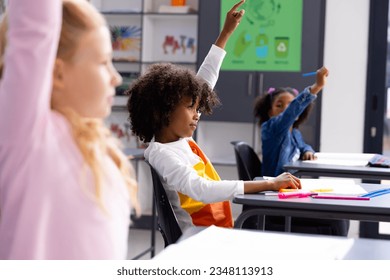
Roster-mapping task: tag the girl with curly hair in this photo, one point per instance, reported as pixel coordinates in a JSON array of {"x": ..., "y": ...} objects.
[{"x": 164, "y": 106}]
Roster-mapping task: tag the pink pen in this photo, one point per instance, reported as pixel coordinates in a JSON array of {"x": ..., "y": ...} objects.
[{"x": 294, "y": 194}]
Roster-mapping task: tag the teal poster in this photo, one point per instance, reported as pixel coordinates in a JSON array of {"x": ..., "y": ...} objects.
[{"x": 269, "y": 37}]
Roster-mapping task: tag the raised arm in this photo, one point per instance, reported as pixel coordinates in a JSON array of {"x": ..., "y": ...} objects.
[
  {"x": 233, "y": 18},
  {"x": 25, "y": 87},
  {"x": 209, "y": 70},
  {"x": 321, "y": 77}
]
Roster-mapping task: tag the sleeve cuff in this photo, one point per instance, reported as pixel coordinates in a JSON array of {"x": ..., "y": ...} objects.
[{"x": 240, "y": 187}]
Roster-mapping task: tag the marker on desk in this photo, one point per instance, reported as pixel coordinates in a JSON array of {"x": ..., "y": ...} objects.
[
  {"x": 322, "y": 190},
  {"x": 294, "y": 194},
  {"x": 340, "y": 197},
  {"x": 309, "y": 74},
  {"x": 312, "y": 191},
  {"x": 288, "y": 190},
  {"x": 377, "y": 193}
]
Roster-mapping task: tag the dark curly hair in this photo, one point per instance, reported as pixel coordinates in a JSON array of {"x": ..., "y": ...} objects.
[
  {"x": 263, "y": 104},
  {"x": 155, "y": 95}
]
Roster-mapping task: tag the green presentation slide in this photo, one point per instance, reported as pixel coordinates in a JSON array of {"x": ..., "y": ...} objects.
[{"x": 269, "y": 37}]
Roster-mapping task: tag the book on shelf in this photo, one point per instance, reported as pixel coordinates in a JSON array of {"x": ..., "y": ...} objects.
[
  {"x": 175, "y": 9},
  {"x": 126, "y": 42},
  {"x": 121, "y": 11}
]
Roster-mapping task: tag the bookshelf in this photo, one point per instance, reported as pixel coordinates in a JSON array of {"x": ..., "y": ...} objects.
[{"x": 144, "y": 32}]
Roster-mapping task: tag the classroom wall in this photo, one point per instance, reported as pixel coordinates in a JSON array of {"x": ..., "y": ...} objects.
[{"x": 345, "y": 54}]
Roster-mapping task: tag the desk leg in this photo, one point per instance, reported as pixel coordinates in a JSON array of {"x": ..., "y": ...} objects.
[
  {"x": 247, "y": 214},
  {"x": 287, "y": 224},
  {"x": 263, "y": 223}
]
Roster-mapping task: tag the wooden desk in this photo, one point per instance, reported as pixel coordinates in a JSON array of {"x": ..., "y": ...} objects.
[{"x": 377, "y": 209}]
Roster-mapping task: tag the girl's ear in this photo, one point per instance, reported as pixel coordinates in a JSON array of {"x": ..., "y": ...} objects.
[{"x": 58, "y": 75}]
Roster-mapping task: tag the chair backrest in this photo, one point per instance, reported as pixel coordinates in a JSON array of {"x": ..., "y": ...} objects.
[
  {"x": 248, "y": 163},
  {"x": 166, "y": 218}
]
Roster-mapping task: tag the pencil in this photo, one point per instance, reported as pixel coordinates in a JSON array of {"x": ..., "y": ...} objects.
[
  {"x": 340, "y": 197},
  {"x": 309, "y": 74}
]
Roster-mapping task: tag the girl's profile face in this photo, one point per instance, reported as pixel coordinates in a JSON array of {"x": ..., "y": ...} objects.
[
  {"x": 90, "y": 78},
  {"x": 280, "y": 103},
  {"x": 182, "y": 122}
]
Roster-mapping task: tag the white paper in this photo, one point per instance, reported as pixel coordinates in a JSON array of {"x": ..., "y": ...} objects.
[
  {"x": 345, "y": 159},
  {"x": 328, "y": 186},
  {"x": 216, "y": 243},
  {"x": 333, "y": 186}
]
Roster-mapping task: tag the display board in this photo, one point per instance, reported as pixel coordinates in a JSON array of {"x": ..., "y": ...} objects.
[{"x": 269, "y": 37}]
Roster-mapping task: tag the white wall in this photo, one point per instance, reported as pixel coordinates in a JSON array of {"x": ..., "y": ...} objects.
[{"x": 343, "y": 100}]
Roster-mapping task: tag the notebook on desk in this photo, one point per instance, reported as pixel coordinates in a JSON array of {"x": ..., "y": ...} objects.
[
  {"x": 215, "y": 243},
  {"x": 379, "y": 161},
  {"x": 328, "y": 186}
]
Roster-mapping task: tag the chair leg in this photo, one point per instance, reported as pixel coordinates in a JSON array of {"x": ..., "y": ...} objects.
[{"x": 245, "y": 215}]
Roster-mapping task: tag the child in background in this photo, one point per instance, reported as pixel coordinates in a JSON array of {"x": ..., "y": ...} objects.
[
  {"x": 164, "y": 108},
  {"x": 66, "y": 188},
  {"x": 280, "y": 112}
]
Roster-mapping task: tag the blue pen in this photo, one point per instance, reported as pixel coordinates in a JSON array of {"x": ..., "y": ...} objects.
[
  {"x": 309, "y": 74},
  {"x": 376, "y": 193}
]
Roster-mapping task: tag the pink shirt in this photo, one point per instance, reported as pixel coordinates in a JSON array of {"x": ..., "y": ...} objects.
[{"x": 47, "y": 209}]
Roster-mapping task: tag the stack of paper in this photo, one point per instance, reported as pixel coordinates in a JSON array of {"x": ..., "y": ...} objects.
[
  {"x": 216, "y": 243},
  {"x": 333, "y": 186}
]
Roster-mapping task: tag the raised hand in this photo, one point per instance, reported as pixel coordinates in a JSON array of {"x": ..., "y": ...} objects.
[
  {"x": 321, "y": 76},
  {"x": 233, "y": 18}
]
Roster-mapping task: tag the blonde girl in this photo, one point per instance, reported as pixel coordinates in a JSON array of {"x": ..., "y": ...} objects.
[{"x": 66, "y": 189}]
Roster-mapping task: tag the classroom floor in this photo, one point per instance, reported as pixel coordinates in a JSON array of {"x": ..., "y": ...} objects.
[{"x": 140, "y": 240}]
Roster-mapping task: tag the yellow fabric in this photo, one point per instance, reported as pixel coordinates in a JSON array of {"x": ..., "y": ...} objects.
[{"x": 219, "y": 213}]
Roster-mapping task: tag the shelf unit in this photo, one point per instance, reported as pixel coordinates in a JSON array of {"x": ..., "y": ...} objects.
[
  {"x": 145, "y": 32},
  {"x": 142, "y": 35}
]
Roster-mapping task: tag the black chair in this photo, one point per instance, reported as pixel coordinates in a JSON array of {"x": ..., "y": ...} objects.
[
  {"x": 248, "y": 163},
  {"x": 166, "y": 218},
  {"x": 249, "y": 167}
]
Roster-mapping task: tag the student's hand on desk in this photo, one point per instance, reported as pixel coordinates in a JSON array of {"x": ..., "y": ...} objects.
[
  {"x": 286, "y": 181},
  {"x": 309, "y": 156},
  {"x": 283, "y": 181}
]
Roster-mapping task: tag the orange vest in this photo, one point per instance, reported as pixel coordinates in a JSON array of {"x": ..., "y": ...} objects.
[{"x": 219, "y": 213}]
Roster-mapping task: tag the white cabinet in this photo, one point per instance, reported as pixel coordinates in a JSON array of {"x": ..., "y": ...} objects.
[{"x": 144, "y": 32}]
